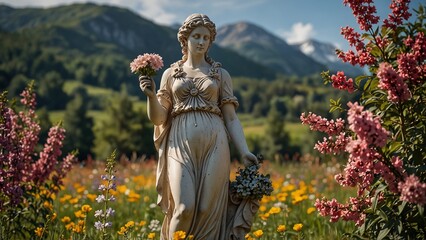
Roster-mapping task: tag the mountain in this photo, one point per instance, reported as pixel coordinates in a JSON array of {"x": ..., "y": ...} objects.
[
  {"x": 95, "y": 42},
  {"x": 265, "y": 48},
  {"x": 325, "y": 53}
]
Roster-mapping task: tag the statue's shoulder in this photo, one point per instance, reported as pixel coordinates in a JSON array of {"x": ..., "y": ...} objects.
[{"x": 176, "y": 70}]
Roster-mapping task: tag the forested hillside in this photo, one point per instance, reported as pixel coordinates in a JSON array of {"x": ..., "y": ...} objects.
[{"x": 78, "y": 56}]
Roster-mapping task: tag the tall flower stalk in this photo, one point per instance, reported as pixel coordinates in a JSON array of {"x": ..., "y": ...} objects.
[
  {"x": 104, "y": 214},
  {"x": 28, "y": 180}
]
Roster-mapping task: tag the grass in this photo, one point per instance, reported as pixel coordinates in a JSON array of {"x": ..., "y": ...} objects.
[{"x": 257, "y": 126}]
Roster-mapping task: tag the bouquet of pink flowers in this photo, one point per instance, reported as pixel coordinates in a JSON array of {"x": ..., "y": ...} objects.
[{"x": 146, "y": 64}]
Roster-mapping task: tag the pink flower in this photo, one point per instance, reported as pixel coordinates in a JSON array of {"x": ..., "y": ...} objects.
[
  {"x": 419, "y": 47},
  {"x": 364, "y": 12},
  {"x": 146, "y": 64},
  {"x": 18, "y": 140},
  {"x": 363, "y": 57},
  {"x": 333, "y": 145},
  {"x": 407, "y": 67},
  {"x": 318, "y": 123},
  {"x": 412, "y": 190},
  {"x": 352, "y": 211},
  {"x": 353, "y": 37},
  {"x": 367, "y": 127},
  {"x": 399, "y": 13},
  {"x": 339, "y": 81},
  {"x": 359, "y": 169},
  {"x": 390, "y": 80},
  {"x": 48, "y": 157}
]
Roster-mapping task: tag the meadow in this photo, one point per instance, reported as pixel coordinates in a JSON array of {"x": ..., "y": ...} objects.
[{"x": 288, "y": 213}]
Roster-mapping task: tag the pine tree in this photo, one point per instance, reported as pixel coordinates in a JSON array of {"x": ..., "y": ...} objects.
[
  {"x": 125, "y": 129},
  {"x": 79, "y": 125},
  {"x": 277, "y": 139}
]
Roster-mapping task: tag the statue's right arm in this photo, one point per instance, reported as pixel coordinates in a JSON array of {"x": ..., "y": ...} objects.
[{"x": 157, "y": 113}]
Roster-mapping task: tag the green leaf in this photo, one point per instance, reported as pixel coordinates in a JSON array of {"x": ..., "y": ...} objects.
[
  {"x": 383, "y": 215},
  {"x": 421, "y": 210},
  {"x": 400, "y": 227},
  {"x": 359, "y": 79},
  {"x": 401, "y": 207},
  {"x": 383, "y": 233}
]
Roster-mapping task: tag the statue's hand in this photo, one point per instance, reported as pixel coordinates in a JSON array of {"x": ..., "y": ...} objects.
[
  {"x": 147, "y": 85},
  {"x": 249, "y": 159}
]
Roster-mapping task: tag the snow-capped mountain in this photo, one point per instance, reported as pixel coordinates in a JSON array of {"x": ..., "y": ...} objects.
[
  {"x": 263, "y": 47},
  {"x": 325, "y": 53}
]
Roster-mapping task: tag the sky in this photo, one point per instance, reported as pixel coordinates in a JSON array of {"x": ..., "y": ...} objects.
[{"x": 292, "y": 20}]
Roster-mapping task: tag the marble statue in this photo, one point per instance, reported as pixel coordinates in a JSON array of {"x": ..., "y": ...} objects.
[{"x": 194, "y": 117}]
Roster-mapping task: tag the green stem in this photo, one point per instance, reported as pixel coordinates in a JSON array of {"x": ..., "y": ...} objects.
[{"x": 402, "y": 119}]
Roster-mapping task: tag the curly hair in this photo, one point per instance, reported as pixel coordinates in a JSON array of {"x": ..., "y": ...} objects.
[{"x": 193, "y": 21}]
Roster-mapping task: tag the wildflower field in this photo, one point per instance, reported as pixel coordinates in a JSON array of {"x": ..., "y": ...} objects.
[{"x": 289, "y": 212}]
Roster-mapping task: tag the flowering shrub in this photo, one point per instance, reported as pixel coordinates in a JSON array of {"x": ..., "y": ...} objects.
[
  {"x": 28, "y": 180},
  {"x": 146, "y": 64},
  {"x": 384, "y": 135}
]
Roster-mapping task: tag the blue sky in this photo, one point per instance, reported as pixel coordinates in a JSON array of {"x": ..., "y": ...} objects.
[{"x": 293, "y": 20}]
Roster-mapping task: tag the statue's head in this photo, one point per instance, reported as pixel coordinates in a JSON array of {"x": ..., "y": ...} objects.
[{"x": 193, "y": 21}]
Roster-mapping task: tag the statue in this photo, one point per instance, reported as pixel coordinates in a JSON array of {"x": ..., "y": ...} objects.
[{"x": 194, "y": 117}]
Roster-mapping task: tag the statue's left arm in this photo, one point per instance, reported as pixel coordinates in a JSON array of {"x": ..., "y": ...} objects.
[{"x": 232, "y": 122}]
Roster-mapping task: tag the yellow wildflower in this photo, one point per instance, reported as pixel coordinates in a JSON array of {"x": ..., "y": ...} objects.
[
  {"x": 133, "y": 197},
  {"x": 274, "y": 210},
  {"x": 258, "y": 233},
  {"x": 79, "y": 214},
  {"x": 151, "y": 235},
  {"x": 310, "y": 210},
  {"x": 264, "y": 217},
  {"x": 281, "y": 228},
  {"x": 48, "y": 205},
  {"x": 66, "y": 219},
  {"x": 179, "y": 235},
  {"x": 73, "y": 201},
  {"x": 121, "y": 188},
  {"x": 91, "y": 197},
  {"x": 38, "y": 231},
  {"x": 248, "y": 237},
  {"x": 288, "y": 188},
  {"x": 77, "y": 229},
  {"x": 80, "y": 189},
  {"x": 190, "y": 237},
  {"x": 297, "y": 227},
  {"x": 122, "y": 231},
  {"x": 142, "y": 223},
  {"x": 262, "y": 208},
  {"x": 70, "y": 226},
  {"x": 86, "y": 208},
  {"x": 146, "y": 199},
  {"x": 282, "y": 196},
  {"x": 53, "y": 216},
  {"x": 130, "y": 224},
  {"x": 53, "y": 196},
  {"x": 65, "y": 198}
]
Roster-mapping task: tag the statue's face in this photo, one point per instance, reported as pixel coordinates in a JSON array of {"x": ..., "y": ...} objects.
[{"x": 199, "y": 40}]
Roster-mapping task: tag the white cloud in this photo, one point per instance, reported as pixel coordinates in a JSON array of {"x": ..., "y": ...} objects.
[
  {"x": 299, "y": 33},
  {"x": 159, "y": 11}
]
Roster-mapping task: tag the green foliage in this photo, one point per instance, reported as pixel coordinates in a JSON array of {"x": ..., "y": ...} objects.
[
  {"x": 126, "y": 129},
  {"x": 276, "y": 140},
  {"x": 79, "y": 125}
]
